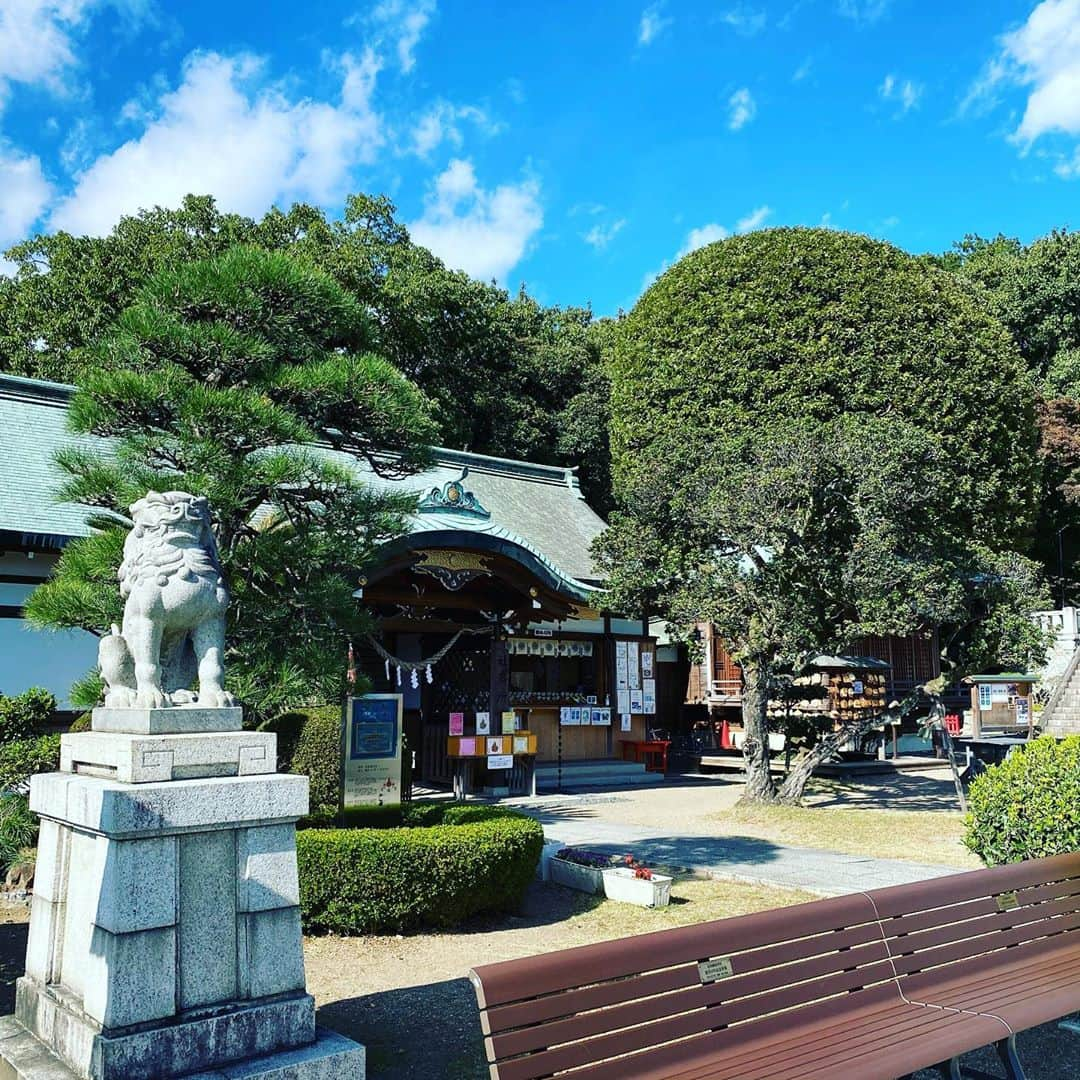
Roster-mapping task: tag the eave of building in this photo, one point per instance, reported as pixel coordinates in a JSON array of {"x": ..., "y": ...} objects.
[{"x": 536, "y": 509}]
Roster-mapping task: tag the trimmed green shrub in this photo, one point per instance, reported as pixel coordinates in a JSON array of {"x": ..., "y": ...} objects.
[
  {"x": 82, "y": 722},
  {"x": 18, "y": 827},
  {"x": 25, "y": 714},
  {"x": 309, "y": 742},
  {"x": 19, "y": 760},
  {"x": 362, "y": 881},
  {"x": 1029, "y": 805}
]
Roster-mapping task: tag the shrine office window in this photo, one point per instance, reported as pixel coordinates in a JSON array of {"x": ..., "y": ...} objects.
[{"x": 553, "y": 671}]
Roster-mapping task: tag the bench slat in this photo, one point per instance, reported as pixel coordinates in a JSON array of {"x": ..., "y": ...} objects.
[
  {"x": 537, "y": 1010},
  {"x": 983, "y": 905},
  {"x": 940, "y": 892},
  {"x": 535, "y": 976},
  {"x": 651, "y": 1033},
  {"x": 726, "y": 999}
]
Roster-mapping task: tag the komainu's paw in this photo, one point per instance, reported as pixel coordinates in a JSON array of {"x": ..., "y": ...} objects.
[
  {"x": 151, "y": 697},
  {"x": 216, "y": 699},
  {"x": 120, "y": 697}
]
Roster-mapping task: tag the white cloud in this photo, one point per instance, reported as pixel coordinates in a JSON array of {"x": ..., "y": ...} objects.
[
  {"x": 754, "y": 220},
  {"x": 802, "y": 70},
  {"x": 745, "y": 20},
  {"x": 25, "y": 191},
  {"x": 599, "y": 236},
  {"x": 863, "y": 11},
  {"x": 903, "y": 92},
  {"x": 653, "y": 23},
  {"x": 705, "y": 234},
  {"x": 1043, "y": 55},
  {"x": 741, "y": 109},
  {"x": 405, "y": 22},
  {"x": 483, "y": 232},
  {"x": 710, "y": 234},
  {"x": 37, "y": 46},
  {"x": 442, "y": 123},
  {"x": 222, "y": 133}
]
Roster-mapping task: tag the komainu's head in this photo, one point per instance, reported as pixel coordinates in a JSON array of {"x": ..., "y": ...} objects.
[{"x": 171, "y": 513}]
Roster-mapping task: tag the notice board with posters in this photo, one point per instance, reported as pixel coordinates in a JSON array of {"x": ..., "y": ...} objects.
[{"x": 371, "y": 747}]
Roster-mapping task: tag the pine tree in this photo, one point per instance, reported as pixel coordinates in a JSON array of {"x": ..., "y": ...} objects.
[{"x": 248, "y": 378}]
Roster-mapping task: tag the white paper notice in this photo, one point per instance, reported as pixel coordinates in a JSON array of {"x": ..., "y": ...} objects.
[
  {"x": 620, "y": 650},
  {"x": 637, "y": 702},
  {"x": 648, "y": 703},
  {"x": 625, "y": 721},
  {"x": 564, "y": 715},
  {"x": 646, "y": 663},
  {"x": 623, "y": 701},
  {"x": 621, "y": 678},
  {"x": 649, "y": 686}
]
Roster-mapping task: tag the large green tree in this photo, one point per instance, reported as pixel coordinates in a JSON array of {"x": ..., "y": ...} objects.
[
  {"x": 506, "y": 375},
  {"x": 1034, "y": 290},
  {"x": 249, "y": 378},
  {"x": 816, "y": 436}
]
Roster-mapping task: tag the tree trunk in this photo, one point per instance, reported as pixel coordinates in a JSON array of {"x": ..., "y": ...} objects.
[
  {"x": 804, "y": 765},
  {"x": 755, "y": 700}
]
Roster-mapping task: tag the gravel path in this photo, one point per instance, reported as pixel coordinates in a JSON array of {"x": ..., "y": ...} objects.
[{"x": 827, "y": 873}]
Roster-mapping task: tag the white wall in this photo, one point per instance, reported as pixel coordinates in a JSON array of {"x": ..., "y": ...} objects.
[{"x": 31, "y": 657}]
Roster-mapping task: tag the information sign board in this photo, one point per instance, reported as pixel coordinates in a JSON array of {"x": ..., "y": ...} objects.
[{"x": 372, "y": 750}]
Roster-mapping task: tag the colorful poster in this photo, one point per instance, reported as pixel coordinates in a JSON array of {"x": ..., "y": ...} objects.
[
  {"x": 509, "y": 722},
  {"x": 495, "y": 745},
  {"x": 500, "y": 761},
  {"x": 483, "y": 723},
  {"x": 521, "y": 744},
  {"x": 467, "y": 747},
  {"x": 457, "y": 723},
  {"x": 625, "y": 721},
  {"x": 637, "y": 702},
  {"x": 646, "y": 663},
  {"x": 372, "y": 768},
  {"x": 601, "y": 717}
]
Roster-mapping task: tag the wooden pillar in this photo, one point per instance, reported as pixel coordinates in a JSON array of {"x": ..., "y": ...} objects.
[
  {"x": 976, "y": 716},
  {"x": 500, "y": 682}
]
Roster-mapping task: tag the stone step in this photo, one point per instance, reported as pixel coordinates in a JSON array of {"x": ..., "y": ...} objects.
[{"x": 594, "y": 774}]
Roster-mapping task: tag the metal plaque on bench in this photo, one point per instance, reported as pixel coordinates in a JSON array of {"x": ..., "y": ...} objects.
[{"x": 717, "y": 968}]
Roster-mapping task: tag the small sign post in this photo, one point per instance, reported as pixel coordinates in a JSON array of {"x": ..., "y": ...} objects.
[{"x": 371, "y": 773}]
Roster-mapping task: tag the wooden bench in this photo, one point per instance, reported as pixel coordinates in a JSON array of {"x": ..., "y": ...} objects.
[{"x": 870, "y": 986}]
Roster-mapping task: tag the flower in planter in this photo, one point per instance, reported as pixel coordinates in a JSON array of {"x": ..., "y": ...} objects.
[
  {"x": 640, "y": 869},
  {"x": 594, "y": 859}
]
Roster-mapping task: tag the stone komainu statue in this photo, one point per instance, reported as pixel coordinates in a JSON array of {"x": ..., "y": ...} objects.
[{"x": 174, "y": 609}]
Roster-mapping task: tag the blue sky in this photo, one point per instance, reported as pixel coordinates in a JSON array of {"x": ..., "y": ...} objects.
[{"x": 576, "y": 147}]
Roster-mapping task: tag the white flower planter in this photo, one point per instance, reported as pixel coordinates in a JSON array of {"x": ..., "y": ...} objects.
[
  {"x": 621, "y": 884},
  {"x": 574, "y": 876}
]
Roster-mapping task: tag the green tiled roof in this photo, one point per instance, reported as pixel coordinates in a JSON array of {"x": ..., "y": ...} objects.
[{"x": 538, "y": 507}]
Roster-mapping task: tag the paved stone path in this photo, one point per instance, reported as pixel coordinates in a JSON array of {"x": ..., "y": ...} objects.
[{"x": 828, "y": 873}]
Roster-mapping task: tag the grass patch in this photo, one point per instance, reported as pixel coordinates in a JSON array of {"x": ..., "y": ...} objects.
[
  {"x": 693, "y": 900},
  {"x": 925, "y": 836}
]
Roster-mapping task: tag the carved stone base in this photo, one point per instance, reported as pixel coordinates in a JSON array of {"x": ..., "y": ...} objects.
[
  {"x": 175, "y": 720},
  {"x": 329, "y": 1057}
]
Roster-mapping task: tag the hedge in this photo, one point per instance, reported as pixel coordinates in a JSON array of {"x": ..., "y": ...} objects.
[
  {"x": 1029, "y": 805},
  {"x": 309, "y": 742},
  {"x": 467, "y": 861}
]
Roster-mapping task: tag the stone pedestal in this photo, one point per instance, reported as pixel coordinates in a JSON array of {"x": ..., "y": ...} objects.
[{"x": 165, "y": 929}]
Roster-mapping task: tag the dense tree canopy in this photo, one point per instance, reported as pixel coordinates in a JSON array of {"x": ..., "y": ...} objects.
[
  {"x": 816, "y": 436},
  {"x": 507, "y": 376},
  {"x": 217, "y": 380},
  {"x": 1034, "y": 290}
]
